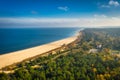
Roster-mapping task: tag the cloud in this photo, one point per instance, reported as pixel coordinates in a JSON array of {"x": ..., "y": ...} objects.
[
  {"x": 105, "y": 6},
  {"x": 114, "y": 3},
  {"x": 96, "y": 21},
  {"x": 100, "y": 16},
  {"x": 63, "y": 8},
  {"x": 111, "y": 3}
]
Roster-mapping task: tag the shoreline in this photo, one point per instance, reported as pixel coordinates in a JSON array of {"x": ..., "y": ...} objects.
[{"x": 19, "y": 56}]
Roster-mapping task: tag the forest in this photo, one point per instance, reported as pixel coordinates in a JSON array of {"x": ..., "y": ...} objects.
[{"x": 76, "y": 62}]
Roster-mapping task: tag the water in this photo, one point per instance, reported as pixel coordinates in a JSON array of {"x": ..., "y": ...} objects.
[{"x": 13, "y": 39}]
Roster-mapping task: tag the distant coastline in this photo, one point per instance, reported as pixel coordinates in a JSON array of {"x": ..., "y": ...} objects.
[
  {"x": 15, "y": 39},
  {"x": 19, "y": 56}
]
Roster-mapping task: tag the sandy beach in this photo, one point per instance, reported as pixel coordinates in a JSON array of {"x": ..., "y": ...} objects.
[{"x": 18, "y": 56}]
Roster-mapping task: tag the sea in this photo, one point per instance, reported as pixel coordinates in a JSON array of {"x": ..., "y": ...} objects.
[{"x": 14, "y": 39}]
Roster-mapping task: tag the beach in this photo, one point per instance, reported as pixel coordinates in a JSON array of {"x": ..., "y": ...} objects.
[{"x": 19, "y": 56}]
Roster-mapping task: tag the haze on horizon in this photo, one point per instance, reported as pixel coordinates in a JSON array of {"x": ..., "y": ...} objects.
[{"x": 59, "y": 13}]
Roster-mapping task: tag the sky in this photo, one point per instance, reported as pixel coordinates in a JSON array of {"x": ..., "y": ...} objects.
[{"x": 59, "y": 13}]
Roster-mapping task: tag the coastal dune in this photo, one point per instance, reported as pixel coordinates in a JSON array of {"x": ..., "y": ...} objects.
[{"x": 19, "y": 56}]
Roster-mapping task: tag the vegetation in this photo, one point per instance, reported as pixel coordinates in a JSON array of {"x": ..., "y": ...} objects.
[{"x": 76, "y": 63}]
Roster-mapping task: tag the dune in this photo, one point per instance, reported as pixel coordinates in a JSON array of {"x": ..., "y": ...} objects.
[{"x": 19, "y": 56}]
